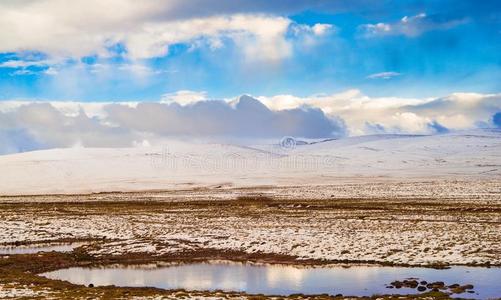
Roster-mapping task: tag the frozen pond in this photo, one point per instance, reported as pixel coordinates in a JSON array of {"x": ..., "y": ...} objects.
[
  {"x": 36, "y": 248},
  {"x": 283, "y": 279}
]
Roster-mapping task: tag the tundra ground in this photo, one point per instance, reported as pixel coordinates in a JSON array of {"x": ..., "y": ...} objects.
[{"x": 432, "y": 228}]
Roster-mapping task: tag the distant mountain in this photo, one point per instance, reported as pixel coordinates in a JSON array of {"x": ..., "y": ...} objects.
[{"x": 181, "y": 164}]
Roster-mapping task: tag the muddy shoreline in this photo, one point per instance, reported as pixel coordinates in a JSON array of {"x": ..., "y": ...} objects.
[{"x": 25, "y": 269}]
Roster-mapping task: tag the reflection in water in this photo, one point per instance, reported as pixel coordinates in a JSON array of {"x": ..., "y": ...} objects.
[
  {"x": 282, "y": 279},
  {"x": 276, "y": 276},
  {"x": 31, "y": 249}
]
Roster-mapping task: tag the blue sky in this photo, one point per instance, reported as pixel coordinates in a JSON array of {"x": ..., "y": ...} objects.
[
  {"x": 383, "y": 48},
  {"x": 122, "y": 73}
]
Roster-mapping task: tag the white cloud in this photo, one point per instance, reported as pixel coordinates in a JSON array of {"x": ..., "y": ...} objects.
[
  {"x": 21, "y": 72},
  {"x": 393, "y": 114},
  {"x": 51, "y": 71},
  {"x": 14, "y": 64},
  {"x": 410, "y": 26},
  {"x": 310, "y": 36},
  {"x": 64, "y": 124},
  {"x": 34, "y": 125},
  {"x": 30, "y": 67},
  {"x": 408, "y": 122},
  {"x": 44, "y": 126},
  {"x": 146, "y": 29},
  {"x": 374, "y": 29},
  {"x": 321, "y": 29},
  {"x": 243, "y": 117},
  {"x": 384, "y": 75},
  {"x": 184, "y": 97}
]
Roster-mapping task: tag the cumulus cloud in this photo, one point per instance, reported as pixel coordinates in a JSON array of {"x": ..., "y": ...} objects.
[
  {"x": 29, "y": 126},
  {"x": 37, "y": 125},
  {"x": 81, "y": 28},
  {"x": 364, "y": 115},
  {"x": 244, "y": 117},
  {"x": 411, "y": 25},
  {"x": 47, "y": 127},
  {"x": 321, "y": 29}
]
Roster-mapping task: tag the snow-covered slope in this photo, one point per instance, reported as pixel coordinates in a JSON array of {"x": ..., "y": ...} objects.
[{"x": 176, "y": 164}]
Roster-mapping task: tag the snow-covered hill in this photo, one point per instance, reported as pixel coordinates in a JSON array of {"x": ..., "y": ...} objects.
[{"x": 180, "y": 164}]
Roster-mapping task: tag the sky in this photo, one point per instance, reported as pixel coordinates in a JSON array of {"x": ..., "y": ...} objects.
[{"x": 314, "y": 68}]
